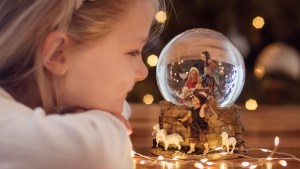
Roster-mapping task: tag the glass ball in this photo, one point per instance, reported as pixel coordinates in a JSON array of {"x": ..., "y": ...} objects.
[{"x": 203, "y": 59}]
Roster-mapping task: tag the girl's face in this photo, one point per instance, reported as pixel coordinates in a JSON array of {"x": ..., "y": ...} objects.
[{"x": 101, "y": 74}]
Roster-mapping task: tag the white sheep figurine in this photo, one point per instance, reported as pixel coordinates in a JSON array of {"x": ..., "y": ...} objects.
[
  {"x": 159, "y": 134},
  {"x": 155, "y": 128},
  {"x": 231, "y": 141},
  {"x": 170, "y": 139}
]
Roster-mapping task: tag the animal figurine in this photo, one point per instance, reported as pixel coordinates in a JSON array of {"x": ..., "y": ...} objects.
[
  {"x": 228, "y": 141},
  {"x": 161, "y": 136},
  {"x": 171, "y": 139}
]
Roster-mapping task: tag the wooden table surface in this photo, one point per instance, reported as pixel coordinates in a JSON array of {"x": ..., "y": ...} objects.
[{"x": 261, "y": 127}]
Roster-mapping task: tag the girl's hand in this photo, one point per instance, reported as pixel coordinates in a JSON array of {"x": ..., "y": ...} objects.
[
  {"x": 124, "y": 121},
  {"x": 69, "y": 110}
]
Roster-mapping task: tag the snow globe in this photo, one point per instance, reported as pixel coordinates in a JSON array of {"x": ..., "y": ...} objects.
[{"x": 200, "y": 74}]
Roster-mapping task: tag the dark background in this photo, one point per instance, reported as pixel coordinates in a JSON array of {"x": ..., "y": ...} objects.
[{"x": 234, "y": 18}]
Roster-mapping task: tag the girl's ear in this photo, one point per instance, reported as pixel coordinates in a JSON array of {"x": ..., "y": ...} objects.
[{"x": 53, "y": 53}]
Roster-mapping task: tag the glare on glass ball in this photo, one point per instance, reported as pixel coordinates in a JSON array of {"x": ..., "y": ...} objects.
[{"x": 185, "y": 57}]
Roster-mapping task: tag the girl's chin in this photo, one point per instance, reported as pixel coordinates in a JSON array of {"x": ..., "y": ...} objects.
[
  {"x": 112, "y": 107},
  {"x": 117, "y": 107}
]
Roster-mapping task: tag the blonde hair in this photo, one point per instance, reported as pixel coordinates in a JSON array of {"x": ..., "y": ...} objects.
[{"x": 24, "y": 25}]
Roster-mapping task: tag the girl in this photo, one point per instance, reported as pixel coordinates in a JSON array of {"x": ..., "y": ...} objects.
[{"x": 67, "y": 56}]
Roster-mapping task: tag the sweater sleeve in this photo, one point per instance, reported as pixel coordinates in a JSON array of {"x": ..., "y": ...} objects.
[
  {"x": 89, "y": 140},
  {"x": 126, "y": 110}
]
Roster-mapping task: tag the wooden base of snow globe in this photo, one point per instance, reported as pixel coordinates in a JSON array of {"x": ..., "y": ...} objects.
[{"x": 223, "y": 139}]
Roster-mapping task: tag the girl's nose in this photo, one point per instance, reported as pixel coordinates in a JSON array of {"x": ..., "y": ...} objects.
[{"x": 141, "y": 71}]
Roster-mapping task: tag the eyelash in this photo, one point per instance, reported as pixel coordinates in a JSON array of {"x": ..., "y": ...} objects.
[{"x": 135, "y": 53}]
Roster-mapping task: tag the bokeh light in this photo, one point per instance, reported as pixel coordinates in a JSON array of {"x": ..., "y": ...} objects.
[
  {"x": 148, "y": 99},
  {"x": 152, "y": 60},
  {"x": 245, "y": 164},
  {"x": 161, "y": 16},
  {"x": 283, "y": 163},
  {"x": 251, "y": 104},
  {"x": 259, "y": 72},
  {"x": 258, "y": 22}
]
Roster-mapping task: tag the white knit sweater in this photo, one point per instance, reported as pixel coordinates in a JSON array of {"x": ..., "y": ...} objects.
[{"x": 31, "y": 140}]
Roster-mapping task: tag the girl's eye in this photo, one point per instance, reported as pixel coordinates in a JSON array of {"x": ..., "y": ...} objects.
[{"x": 135, "y": 53}]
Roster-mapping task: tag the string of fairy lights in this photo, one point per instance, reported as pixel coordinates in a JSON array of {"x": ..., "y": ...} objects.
[{"x": 250, "y": 162}]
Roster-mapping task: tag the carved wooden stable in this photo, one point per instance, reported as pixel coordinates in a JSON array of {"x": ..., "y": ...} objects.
[{"x": 219, "y": 119}]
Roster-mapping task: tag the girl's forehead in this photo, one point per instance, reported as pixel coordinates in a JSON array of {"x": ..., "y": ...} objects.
[{"x": 135, "y": 26}]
